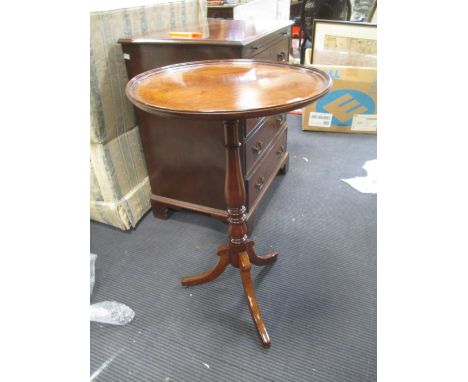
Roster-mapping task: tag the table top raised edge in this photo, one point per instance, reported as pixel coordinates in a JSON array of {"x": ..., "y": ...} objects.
[{"x": 225, "y": 114}]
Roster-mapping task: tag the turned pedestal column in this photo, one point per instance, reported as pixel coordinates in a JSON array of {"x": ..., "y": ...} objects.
[{"x": 239, "y": 250}]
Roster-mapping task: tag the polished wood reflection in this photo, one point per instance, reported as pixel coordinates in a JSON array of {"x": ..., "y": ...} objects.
[
  {"x": 252, "y": 299},
  {"x": 231, "y": 32},
  {"x": 239, "y": 250},
  {"x": 228, "y": 89},
  {"x": 210, "y": 275}
]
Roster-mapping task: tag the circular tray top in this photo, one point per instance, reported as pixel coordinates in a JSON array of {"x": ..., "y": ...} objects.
[{"x": 226, "y": 89}]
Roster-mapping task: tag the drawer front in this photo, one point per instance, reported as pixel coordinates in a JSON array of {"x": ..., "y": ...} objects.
[
  {"x": 267, "y": 43},
  {"x": 258, "y": 144},
  {"x": 278, "y": 52},
  {"x": 251, "y": 124},
  {"x": 257, "y": 182}
]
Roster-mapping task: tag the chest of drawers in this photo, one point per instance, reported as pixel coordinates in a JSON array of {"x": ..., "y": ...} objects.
[{"x": 189, "y": 172}]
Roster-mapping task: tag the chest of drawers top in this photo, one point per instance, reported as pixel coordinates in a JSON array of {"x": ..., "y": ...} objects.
[{"x": 218, "y": 32}]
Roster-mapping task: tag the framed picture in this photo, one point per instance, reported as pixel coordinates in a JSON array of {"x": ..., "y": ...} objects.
[{"x": 344, "y": 43}]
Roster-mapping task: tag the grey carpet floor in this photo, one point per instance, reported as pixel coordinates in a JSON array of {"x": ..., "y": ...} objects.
[{"x": 318, "y": 300}]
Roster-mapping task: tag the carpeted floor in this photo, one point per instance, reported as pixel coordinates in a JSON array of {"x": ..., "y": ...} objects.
[{"x": 318, "y": 300}]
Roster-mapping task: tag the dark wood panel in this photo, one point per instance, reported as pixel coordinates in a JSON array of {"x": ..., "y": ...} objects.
[
  {"x": 185, "y": 159},
  {"x": 221, "y": 12},
  {"x": 251, "y": 124},
  {"x": 279, "y": 51},
  {"x": 143, "y": 57},
  {"x": 263, "y": 174},
  {"x": 258, "y": 144},
  {"x": 266, "y": 43}
]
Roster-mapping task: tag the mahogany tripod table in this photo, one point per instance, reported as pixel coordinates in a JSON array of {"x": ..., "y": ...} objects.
[{"x": 230, "y": 90}]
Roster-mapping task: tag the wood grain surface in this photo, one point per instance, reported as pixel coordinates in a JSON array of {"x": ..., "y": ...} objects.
[
  {"x": 214, "y": 31},
  {"x": 227, "y": 89}
]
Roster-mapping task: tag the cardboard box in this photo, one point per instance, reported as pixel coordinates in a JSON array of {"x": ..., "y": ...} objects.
[{"x": 351, "y": 104}]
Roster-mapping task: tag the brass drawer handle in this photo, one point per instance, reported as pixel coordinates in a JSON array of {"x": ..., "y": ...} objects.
[
  {"x": 257, "y": 149},
  {"x": 281, "y": 151},
  {"x": 281, "y": 56},
  {"x": 260, "y": 183}
]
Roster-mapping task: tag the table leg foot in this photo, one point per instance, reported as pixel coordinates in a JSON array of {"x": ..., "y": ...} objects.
[
  {"x": 160, "y": 211},
  {"x": 244, "y": 266},
  {"x": 284, "y": 169},
  {"x": 268, "y": 258},
  {"x": 223, "y": 253}
]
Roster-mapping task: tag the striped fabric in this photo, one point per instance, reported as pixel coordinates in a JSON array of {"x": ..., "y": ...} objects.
[{"x": 120, "y": 191}]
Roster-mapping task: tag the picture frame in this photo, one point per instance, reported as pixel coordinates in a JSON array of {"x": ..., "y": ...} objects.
[{"x": 344, "y": 43}]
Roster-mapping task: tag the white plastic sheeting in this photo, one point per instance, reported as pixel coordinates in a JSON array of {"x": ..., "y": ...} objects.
[
  {"x": 365, "y": 184},
  {"x": 108, "y": 312}
]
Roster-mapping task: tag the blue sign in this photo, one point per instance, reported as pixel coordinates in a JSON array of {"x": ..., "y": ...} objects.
[{"x": 344, "y": 103}]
